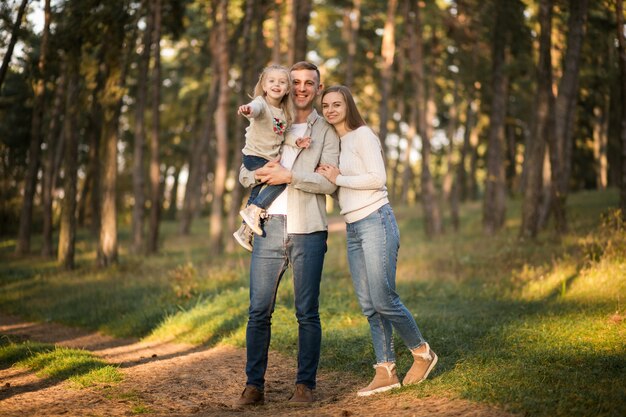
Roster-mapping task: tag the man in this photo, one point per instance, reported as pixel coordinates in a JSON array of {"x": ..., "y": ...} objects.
[{"x": 295, "y": 233}]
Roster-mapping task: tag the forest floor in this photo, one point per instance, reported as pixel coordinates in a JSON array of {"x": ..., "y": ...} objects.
[{"x": 186, "y": 380}]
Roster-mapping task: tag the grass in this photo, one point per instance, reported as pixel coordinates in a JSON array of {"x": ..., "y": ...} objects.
[
  {"x": 81, "y": 368},
  {"x": 535, "y": 327}
]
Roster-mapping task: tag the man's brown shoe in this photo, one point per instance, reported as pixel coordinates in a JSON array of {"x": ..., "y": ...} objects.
[
  {"x": 251, "y": 396},
  {"x": 303, "y": 395}
]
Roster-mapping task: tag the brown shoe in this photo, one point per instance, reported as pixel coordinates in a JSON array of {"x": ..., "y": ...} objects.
[
  {"x": 423, "y": 363},
  {"x": 384, "y": 380},
  {"x": 302, "y": 395},
  {"x": 251, "y": 395}
]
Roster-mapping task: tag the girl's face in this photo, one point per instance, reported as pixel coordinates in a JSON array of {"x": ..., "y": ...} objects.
[
  {"x": 334, "y": 108},
  {"x": 275, "y": 86}
]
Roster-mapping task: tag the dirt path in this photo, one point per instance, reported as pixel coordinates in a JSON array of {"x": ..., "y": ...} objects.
[{"x": 184, "y": 380}]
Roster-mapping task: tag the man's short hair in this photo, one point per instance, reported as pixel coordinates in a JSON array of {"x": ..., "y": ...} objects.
[{"x": 305, "y": 65}]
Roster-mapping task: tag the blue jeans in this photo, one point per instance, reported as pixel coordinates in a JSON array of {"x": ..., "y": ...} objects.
[
  {"x": 373, "y": 244},
  {"x": 272, "y": 253},
  {"x": 266, "y": 197}
]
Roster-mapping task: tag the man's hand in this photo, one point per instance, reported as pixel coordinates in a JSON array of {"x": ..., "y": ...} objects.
[{"x": 273, "y": 173}]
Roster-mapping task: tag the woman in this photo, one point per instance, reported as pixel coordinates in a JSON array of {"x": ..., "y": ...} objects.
[{"x": 373, "y": 241}]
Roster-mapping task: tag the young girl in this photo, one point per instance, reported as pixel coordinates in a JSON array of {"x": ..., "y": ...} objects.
[
  {"x": 373, "y": 241},
  {"x": 270, "y": 113}
]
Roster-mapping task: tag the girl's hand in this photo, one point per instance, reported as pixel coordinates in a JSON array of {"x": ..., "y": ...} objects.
[
  {"x": 303, "y": 142},
  {"x": 329, "y": 172},
  {"x": 244, "y": 110}
]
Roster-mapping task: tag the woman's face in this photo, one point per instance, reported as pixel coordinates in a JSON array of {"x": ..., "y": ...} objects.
[{"x": 334, "y": 108}]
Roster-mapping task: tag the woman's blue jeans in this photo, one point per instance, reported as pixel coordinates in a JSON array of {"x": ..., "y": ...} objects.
[
  {"x": 373, "y": 244},
  {"x": 272, "y": 253}
]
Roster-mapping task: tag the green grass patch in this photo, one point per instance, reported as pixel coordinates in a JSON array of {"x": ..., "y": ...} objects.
[
  {"x": 535, "y": 327},
  {"x": 81, "y": 368}
]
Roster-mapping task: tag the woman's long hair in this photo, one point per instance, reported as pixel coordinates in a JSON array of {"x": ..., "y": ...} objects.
[{"x": 354, "y": 120}]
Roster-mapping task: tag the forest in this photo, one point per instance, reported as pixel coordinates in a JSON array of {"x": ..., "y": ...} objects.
[{"x": 122, "y": 113}]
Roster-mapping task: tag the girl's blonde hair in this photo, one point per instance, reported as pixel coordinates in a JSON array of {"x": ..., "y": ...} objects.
[{"x": 285, "y": 103}]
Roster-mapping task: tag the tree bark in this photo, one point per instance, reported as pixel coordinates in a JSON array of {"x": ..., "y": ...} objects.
[
  {"x": 221, "y": 129},
  {"x": 494, "y": 202},
  {"x": 276, "y": 52},
  {"x": 139, "y": 176},
  {"x": 36, "y": 138},
  {"x": 432, "y": 218},
  {"x": 14, "y": 34},
  {"x": 565, "y": 110},
  {"x": 111, "y": 101},
  {"x": 533, "y": 164},
  {"x": 172, "y": 209},
  {"x": 622, "y": 66},
  {"x": 353, "y": 22},
  {"x": 67, "y": 233},
  {"x": 600, "y": 143},
  {"x": 301, "y": 12},
  {"x": 54, "y": 152},
  {"x": 253, "y": 17},
  {"x": 199, "y": 164},
  {"x": 90, "y": 194},
  {"x": 155, "y": 171},
  {"x": 388, "y": 50}
]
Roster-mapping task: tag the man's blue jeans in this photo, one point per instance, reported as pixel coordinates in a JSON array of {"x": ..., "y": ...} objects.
[
  {"x": 373, "y": 244},
  {"x": 272, "y": 253}
]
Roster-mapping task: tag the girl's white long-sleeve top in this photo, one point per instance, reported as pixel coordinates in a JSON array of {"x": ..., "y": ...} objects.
[{"x": 362, "y": 177}]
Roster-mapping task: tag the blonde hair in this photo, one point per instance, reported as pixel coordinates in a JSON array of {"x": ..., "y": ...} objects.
[{"x": 285, "y": 103}]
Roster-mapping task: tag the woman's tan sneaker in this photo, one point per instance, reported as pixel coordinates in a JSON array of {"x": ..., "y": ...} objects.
[
  {"x": 423, "y": 363},
  {"x": 384, "y": 380}
]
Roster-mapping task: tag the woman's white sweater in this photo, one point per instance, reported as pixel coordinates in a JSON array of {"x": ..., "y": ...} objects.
[{"x": 362, "y": 177}]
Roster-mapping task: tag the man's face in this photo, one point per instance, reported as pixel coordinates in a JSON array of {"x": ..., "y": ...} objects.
[{"x": 306, "y": 87}]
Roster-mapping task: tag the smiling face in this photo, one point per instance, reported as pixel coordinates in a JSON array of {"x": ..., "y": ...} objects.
[
  {"x": 275, "y": 86},
  {"x": 334, "y": 109},
  {"x": 306, "y": 87}
]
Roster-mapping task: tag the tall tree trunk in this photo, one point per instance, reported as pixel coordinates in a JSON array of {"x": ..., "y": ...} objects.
[
  {"x": 432, "y": 218},
  {"x": 140, "y": 134},
  {"x": 111, "y": 99},
  {"x": 622, "y": 67},
  {"x": 221, "y": 129},
  {"x": 54, "y": 152},
  {"x": 36, "y": 136},
  {"x": 67, "y": 233},
  {"x": 388, "y": 50},
  {"x": 90, "y": 194},
  {"x": 353, "y": 22},
  {"x": 301, "y": 14},
  {"x": 407, "y": 168},
  {"x": 199, "y": 164},
  {"x": 14, "y": 34},
  {"x": 173, "y": 198},
  {"x": 600, "y": 143},
  {"x": 276, "y": 52},
  {"x": 253, "y": 16},
  {"x": 494, "y": 203},
  {"x": 565, "y": 110},
  {"x": 533, "y": 163},
  {"x": 155, "y": 171},
  {"x": 450, "y": 186}
]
